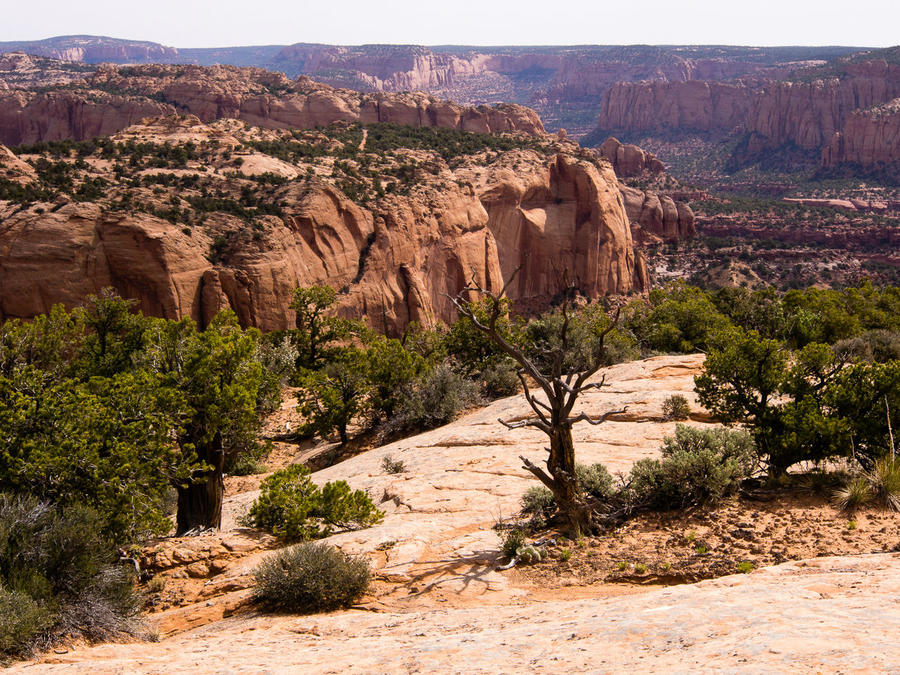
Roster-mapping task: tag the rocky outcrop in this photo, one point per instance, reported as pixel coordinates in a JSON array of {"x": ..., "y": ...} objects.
[
  {"x": 26, "y": 117},
  {"x": 661, "y": 107},
  {"x": 93, "y": 49},
  {"x": 868, "y": 138},
  {"x": 394, "y": 263},
  {"x": 392, "y": 68},
  {"x": 391, "y": 272},
  {"x": 13, "y": 168},
  {"x": 259, "y": 97},
  {"x": 657, "y": 217},
  {"x": 567, "y": 218},
  {"x": 629, "y": 160}
]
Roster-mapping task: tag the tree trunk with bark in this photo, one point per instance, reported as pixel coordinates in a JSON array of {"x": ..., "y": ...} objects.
[{"x": 200, "y": 501}]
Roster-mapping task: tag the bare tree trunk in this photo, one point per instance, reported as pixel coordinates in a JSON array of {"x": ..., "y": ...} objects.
[
  {"x": 560, "y": 385},
  {"x": 200, "y": 501},
  {"x": 565, "y": 488}
]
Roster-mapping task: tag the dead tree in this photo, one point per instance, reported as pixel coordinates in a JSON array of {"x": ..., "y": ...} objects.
[{"x": 561, "y": 384}]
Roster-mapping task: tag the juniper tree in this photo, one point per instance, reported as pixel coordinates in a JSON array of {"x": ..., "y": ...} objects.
[{"x": 561, "y": 380}]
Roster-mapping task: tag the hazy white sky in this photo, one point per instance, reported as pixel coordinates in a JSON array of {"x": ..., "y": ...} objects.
[{"x": 201, "y": 23}]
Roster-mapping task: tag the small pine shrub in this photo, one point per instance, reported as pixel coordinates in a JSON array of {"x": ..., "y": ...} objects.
[
  {"x": 640, "y": 568},
  {"x": 310, "y": 577},
  {"x": 745, "y": 567},
  {"x": 291, "y": 506},
  {"x": 676, "y": 408},
  {"x": 565, "y": 555}
]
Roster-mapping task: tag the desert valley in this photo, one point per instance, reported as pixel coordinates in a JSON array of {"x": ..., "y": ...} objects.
[{"x": 397, "y": 358}]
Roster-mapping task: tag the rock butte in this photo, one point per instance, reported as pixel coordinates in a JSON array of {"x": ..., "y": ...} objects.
[
  {"x": 538, "y": 213},
  {"x": 442, "y": 607}
]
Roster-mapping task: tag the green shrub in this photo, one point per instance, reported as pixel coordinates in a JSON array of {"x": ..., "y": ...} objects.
[
  {"x": 745, "y": 567},
  {"x": 539, "y": 502},
  {"x": 249, "y": 462},
  {"x": 595, "y": 481},
  {"x": 291, "y": 506},
  {"x": 885, "y": 479},
  {"x": 59, "y": 571},
  {"x": 511, "y": 541},
  {"x": 500, "y": 379},
  {"x": 311, "y": 577},
  {"x": 435, "y": 400},
  {"x": 698, "y": 465},
  {"x": 676, "y": 408},
  {"x": 22, "y": 621},
  {"x": 391, "y": 465}
]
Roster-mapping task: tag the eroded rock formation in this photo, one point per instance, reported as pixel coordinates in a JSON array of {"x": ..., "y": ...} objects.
[
  {"x": 629, "y": 160},
  {"x": 394, "y": 260},
  {"x": 656, "y": 216},
  {"x": 113, "y": 98},
  {"x": 846, "y": 109},
  {"x": 868, "y": 138}
]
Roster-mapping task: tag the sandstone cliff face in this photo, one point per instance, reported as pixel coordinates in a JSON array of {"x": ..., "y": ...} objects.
[
  {"x": 256, "y": 96},
  {"x": 393, "y": 262},
  {"x": 667, "y": 106},
  {"x": 92, "y": 49},
  {"x": 391, "y": 272},
  {"x": 807, "y": 114},
  {"x": 28, "y": 118},
  {"x": 657, "y": 217},
  {"x": 565, "y": 218},
  {"x": 392, "y": 68},
  {"x": 868, "y": 137}
]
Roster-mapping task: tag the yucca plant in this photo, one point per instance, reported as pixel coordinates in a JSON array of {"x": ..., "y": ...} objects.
[
  {"x": 885, "y": 479},
  {"x": 856, "y": 493}
]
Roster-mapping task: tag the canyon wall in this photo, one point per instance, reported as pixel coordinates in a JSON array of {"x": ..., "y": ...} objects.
[
  {"x": 547, "y": 216},
  {"x": 868, "y": 138},
  {"x": 113, "y": 98},
  {"x": 827, "y": 113}
]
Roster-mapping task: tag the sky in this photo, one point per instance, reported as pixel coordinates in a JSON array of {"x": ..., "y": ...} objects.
[{"x": 201, "y": 23}]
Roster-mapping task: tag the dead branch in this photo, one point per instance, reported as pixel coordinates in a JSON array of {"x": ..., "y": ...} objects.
[
  {"x": 583, "y": 417},
  {"x": 538, "y": 472}
]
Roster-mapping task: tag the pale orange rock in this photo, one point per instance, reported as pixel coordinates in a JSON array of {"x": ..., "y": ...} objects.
[
  {"x": 557, "y": 215},
  {"x": 257, "y": 96}
]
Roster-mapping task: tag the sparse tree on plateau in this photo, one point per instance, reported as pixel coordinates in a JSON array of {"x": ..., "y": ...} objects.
[{"x": 561, "y": 382}]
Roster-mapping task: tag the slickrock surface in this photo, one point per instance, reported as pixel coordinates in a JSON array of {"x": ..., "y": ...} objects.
[
  {"x": 825, "y": 615},
  {"x": 441, "y": 607}
]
